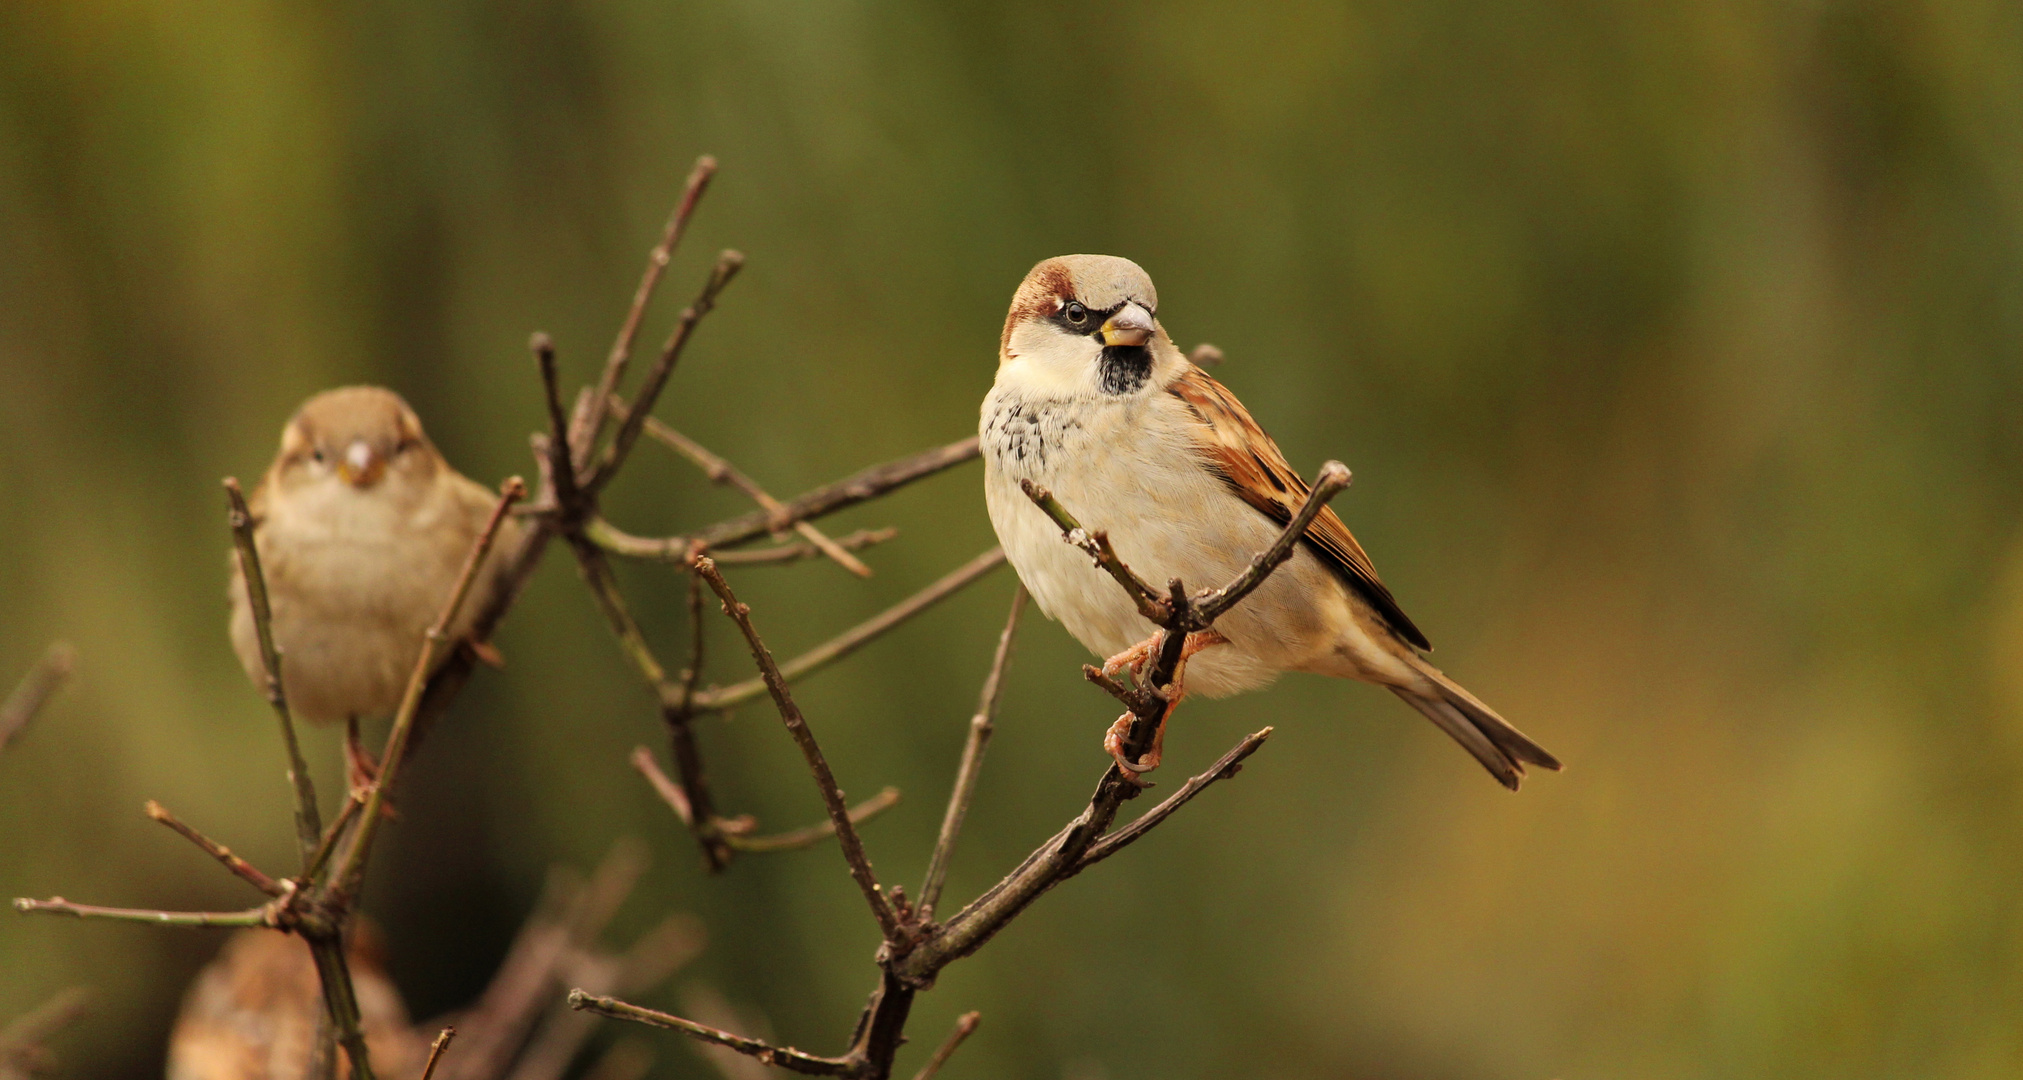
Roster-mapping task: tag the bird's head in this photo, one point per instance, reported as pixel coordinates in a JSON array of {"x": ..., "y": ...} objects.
[
  {"x": 359, "y": 438},
  {"x": 1083, "y": 325}
]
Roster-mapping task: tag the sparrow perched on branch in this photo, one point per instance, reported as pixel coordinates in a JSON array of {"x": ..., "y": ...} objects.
[
  {"x": 362, "y": 530},
  {"x": 1095, "y": 403}
]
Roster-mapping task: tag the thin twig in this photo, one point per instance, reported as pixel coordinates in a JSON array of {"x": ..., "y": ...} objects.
[
  {"x": 433, "y": 643},
  {"x": 669, "y": 791},
  {"x": 981, "y": 726},
  {"x": 964, "y": 1025},
  {"x": 308, "y": 819},
  {"x": 721, "y": 471},
  {"x": 1334, "y": 477},
  {"x": 250, "y": 873},
  {"x": 675, "y": 700},
  {"x": 737, "y": 833},
  {"x": 847, "y": 492},
  {"x": 1097, "y": 546},
  {"x": 797, "y": 727},
  {"x": 858, "y": 636},
  {"x": 691, "y": 675},
  {"x": 1225, "y": 767},
  {"x": 785, "y": 1057},
  {"x": 435, "y": 1051},
  {"x": 57, "y": 905},
  {"x": 795, "y": 552},
  {"x": 728, "y": 263},
  {"x": 810, "y": 835},
  {"x": 583, "y": 437},
  {"x": 333, "y": 836},
  {"x": 35, "y": 689},
  {"x": 340, "y": 998},
  {"x": 561, "y": 471}
]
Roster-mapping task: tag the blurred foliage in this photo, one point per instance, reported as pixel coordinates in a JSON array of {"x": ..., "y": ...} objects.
[{"x": 1678, "y": 350}]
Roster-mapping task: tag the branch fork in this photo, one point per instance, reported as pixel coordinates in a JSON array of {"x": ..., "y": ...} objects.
[{"x": 915, "y": 947}]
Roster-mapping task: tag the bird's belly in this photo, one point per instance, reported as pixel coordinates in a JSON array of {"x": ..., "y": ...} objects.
[
  {"x": 1166, "y": 519},
  {"x": 349, "y": 619}
]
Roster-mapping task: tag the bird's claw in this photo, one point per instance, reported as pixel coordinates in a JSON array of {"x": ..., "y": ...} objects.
[
  {"x": 1133, "y": 658},
  {"x": 1113, "y": 743}
]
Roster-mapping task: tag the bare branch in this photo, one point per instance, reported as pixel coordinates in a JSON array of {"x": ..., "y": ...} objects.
[
  {"x": 437, "y": 638},
  {"x": 811, "y": 835},
  {"x": 857, "y": 636},
  {"x": 1225, "y": 767},
  {"x": 721, "y": 471},
  {"x": 583, "y": 437},
  {"x": 669, "y": 791},
  {"x": 333, "y": 836},
  {"x": 435, "y": 1052},
  {"x": 220, "y": 852},
  {"x": 57, "y": 905},
  {"x": 797, "y": 727},
  {"x": 785, "y": 1057},
  {"x": 847, "y": 492},
  {"x": 35, "y": 689},
  {"x": 691, "y": 675},
  {"x": 795, "y": 552},
  {"x": 340, "y": 999},
  {"x": 676, "y": 708},
  {"x": 964, "y": 1025},
  {"x": 1334, "y": 476},
  {"x": 561, "y": 470},
  {"x": 1097, "y": 546},
  {"x": 981, "y": 726},
  {"x": 308, "y": 819},
  {"x": 728, "y": 263}
]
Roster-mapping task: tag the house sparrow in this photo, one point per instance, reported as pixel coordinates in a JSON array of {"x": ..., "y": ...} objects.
[
  {"x": 252, "y": 1013},
  {"x": 362, "y": 529},
  {"x": 1094, "y": 402}
]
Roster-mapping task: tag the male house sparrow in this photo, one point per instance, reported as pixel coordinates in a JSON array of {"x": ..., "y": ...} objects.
[
  {"x": 362, "y": 529},
  {"x": 1094, "y": 402}
]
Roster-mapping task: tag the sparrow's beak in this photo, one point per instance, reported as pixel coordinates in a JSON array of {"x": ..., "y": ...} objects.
[
  {"x": 362, "y": 466},
  {"x": 1131, "y": 325}
]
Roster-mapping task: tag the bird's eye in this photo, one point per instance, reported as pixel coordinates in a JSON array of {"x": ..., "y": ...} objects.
[
  {"x": 316, "y": 456},
  {"x": 1076, "y": 313}
]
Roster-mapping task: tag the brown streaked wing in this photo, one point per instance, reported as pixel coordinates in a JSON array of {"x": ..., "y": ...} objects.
[{"x": 1251, "y": 464}]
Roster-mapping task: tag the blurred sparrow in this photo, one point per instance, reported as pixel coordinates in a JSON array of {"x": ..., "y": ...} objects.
[
  {"x": 252, "y": 1013},
  {"x": 362, "y": 529},
  {"x": 1094, "y": 402}
]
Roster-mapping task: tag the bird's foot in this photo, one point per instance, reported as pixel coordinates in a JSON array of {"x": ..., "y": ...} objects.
[
  {"x": 1137, "y": 656},
  {"x": 1113, "y": 744},
  {"x": 1197, "y": 641},
  {"x": 1133, "y": 657}
]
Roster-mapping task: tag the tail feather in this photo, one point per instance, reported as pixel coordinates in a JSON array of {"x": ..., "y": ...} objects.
[{"x": 1501, "y": 748}]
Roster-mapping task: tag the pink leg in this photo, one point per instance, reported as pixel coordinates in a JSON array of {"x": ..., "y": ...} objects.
[
  {"x": 1113, "y": 740},
  {"x": 362, "y": 770},
  {"x": 1133, "y": 657}
]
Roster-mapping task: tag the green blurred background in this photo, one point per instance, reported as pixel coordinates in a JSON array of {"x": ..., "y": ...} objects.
[{"x": 1678, "y": 351}]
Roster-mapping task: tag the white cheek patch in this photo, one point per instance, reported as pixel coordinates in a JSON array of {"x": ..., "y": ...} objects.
[{"x": 1045, "y": 363}]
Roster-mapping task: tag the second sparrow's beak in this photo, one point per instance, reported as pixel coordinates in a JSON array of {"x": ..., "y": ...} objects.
[
  {"x": 1131, "y": 325},
  {"x": 362, "y": 466}
]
